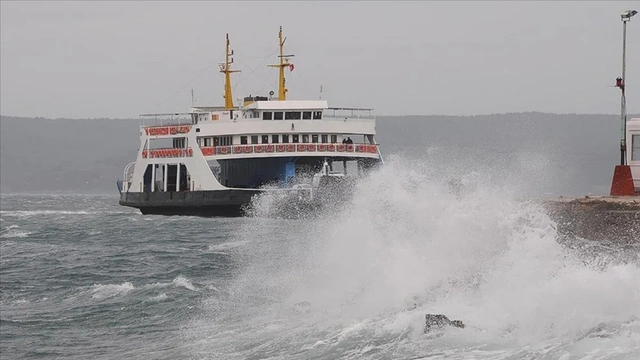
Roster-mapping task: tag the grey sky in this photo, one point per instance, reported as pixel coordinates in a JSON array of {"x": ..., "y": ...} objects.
[{"x": 121, "y": 58}]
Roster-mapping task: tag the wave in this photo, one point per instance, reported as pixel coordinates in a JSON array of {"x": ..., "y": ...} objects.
[
  {"x": 225, "y": 248},
  {"x": 15, "y": 234},
  {"x": 29, "y": 213},
  {"x": 409, "y": 244},
  {"x": 106, "y": 291},
  {"x": 179, "y": 281}
]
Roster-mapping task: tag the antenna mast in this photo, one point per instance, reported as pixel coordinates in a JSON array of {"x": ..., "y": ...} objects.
[
  {"x": 284, "y": 62},
  {"x": 226, "y": 70}
]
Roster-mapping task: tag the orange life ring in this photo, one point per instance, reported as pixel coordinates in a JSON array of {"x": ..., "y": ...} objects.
[
  {"x": 350, "y": 147},
  {"x": 224, "y": 150},
  {"x": 189, "y": 152},
  {"x": 280, "y": 148},
  {"x": 237, "y": 149},
  {"x": 331, "y": 147},
  {"x": 247, "y": 149},
  {"x": 269, "y": 148},
  {"x": 341, "y": 148},
  {"x": 259, "y": 148},
  {"x": 322, "y": 147},
  {"x": 291, "y": 148},
  {"x": 302, "y": 147},
  {"x": 144, "y": 154},
  {"x": 311, "y": 147}
]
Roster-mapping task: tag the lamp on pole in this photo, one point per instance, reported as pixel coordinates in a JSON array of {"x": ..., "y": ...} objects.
[{"x": 620, "y": 82}]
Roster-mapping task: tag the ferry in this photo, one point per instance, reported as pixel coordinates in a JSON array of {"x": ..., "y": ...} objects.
[{"x": 215, "y": 160}]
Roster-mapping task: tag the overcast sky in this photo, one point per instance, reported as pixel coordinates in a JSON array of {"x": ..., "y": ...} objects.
[{"x": 122, "y": 58}]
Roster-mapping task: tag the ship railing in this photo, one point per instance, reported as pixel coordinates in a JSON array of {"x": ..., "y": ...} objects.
[
  {"x": 325, "y": 148},
  {"x": 348, "y": 114},
  {"x": 128, "y": 171},
  {"x": 123, "y": 185},
  {"x": 148, "y": 121}
]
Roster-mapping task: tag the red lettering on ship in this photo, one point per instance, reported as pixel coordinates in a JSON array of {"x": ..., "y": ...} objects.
[{"x": 167, "y": 130}]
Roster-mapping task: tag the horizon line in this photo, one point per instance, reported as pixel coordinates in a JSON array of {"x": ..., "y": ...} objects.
[{"x": 630, "y": 115}]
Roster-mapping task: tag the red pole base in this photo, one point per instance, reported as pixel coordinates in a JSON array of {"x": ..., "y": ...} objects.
[{"x": 622, "y": 184}]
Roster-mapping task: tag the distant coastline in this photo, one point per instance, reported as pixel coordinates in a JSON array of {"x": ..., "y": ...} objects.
[
  {"x": 87, "y": 156},
  {"x": 17, "y": 117}
]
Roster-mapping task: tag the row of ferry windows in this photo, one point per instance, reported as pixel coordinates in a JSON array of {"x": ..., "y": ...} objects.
[
  {"x": 264, "y": 139},
  {"x": 291, "y": 115},
  {"x": 285, "y": 139}
]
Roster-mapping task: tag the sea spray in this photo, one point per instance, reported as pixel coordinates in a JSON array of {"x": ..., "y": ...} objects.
[{"x": 358, "y": 281}]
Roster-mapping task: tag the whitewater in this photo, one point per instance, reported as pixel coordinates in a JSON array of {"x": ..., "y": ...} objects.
[{"x": 83, "y": 277}]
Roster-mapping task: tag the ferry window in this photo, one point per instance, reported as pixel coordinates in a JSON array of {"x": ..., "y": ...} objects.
[
  {"x": 334, "y": 139},
  {"x": 275, "y": 139},
  {"x": 314, "y": 138},
  {"x": 306, "y": 115},
  {"x": 295, "y": 138},
  {"x": 243, "y": 140},
  {"x": 266, "y": 115},
  {"x": 324, "y": 139},
  {"x": 254, "y": 139},
  {"x": 285, "y": 139},
  {"x": 292, "y": 115},
  {"x": 635, "y": 147},
  {"x": 317, "y": 115},
  {"x": 216, "y": 141},
  {"x": 305, "y": 138},
  {"x": 265, "y": 139},
  {"x": 277, "y": 116}
]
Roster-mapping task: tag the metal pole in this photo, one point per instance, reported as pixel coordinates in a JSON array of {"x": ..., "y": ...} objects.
[{"x": 623, "y": 110}]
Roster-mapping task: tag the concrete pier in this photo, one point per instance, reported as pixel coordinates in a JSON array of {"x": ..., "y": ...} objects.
[{"x": 597, "y": 218}]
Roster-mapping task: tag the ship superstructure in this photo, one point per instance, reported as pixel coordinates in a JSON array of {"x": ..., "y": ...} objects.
[{"x": 213, "y": 159}]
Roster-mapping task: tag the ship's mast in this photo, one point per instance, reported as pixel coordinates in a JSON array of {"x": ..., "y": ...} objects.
[
  {"x": 225, "y": 68},
  {"x": 284, "y": 62}
]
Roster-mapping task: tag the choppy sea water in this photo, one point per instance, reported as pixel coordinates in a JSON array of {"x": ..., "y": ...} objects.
[{"x": 82, "y": 277}]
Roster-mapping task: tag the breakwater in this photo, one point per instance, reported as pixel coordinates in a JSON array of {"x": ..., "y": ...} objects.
[{"x": 602, "y": 218}]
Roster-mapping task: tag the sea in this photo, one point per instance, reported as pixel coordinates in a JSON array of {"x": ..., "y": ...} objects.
[{"x": 85, "y": 278}]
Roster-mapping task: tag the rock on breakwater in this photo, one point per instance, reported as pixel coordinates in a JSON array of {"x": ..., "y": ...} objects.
[{"x": 602, "y": 218}]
